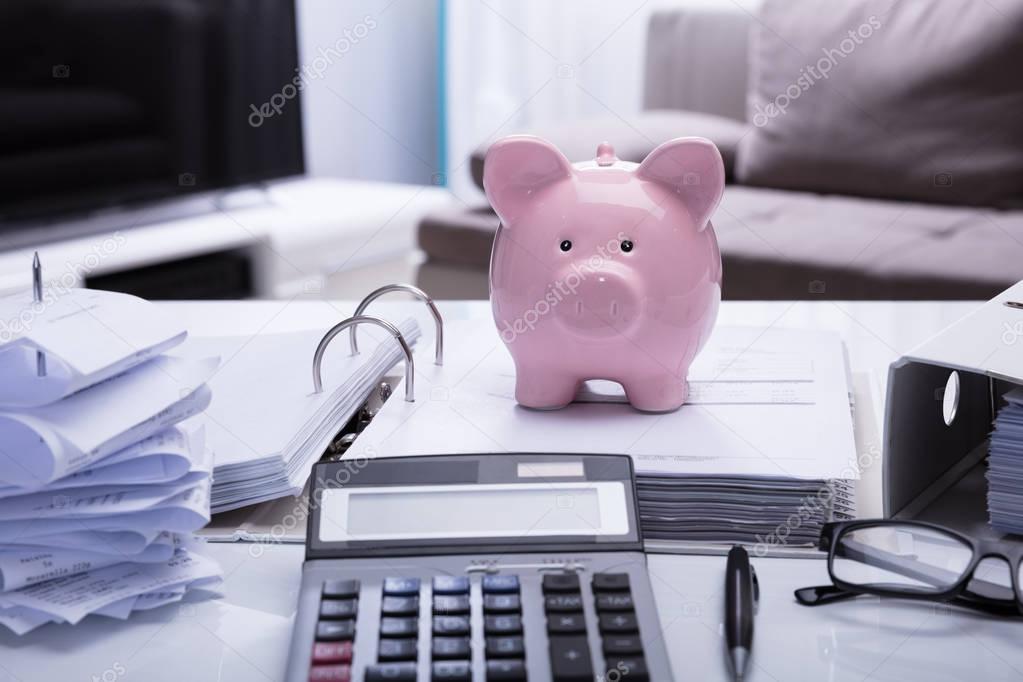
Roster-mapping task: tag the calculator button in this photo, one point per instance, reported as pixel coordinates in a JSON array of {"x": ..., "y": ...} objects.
[
  {"x": 450, "y": 625},
  {"x": 570, "y": 659},
  {"x": 500, "y": 583},
  {"x": 560, "y": 582},
  {"x": 332, "y": 652},
  {"x": 502, "y": 625},
  {"x": 400, "y": 606},
  {"x": 501, "y": 603},
  {"x": 333, "y": 631},
  {"x": 451, "y": 647},
  {"x": 562, "y": 603},
  {"x": 631, "y": 668},
  {"x": 397, "y": 650},
  {"x": 399, "y": 627},
  {"x": 617, "y": 645},
  {"x": 505, "y": 647},
  {"x": 451, "y": 584},
  {"x": 391, "y": 672},
  {"x": 610, "y": 582},
  {"x": 452, "y": 671},
  {"x": 330, "y": 673},
  {"x": 401, "y": 587},
  {"x": 452, "y": 605},
  {"x": 506, "y": 670},
  {"x": 618, "y": 622},
  {"x": 340, "y": 589},
  {"x": 614, "y": 601},
  {"x": 566, "y": 624},
  {"x": 337, "y": 609}
]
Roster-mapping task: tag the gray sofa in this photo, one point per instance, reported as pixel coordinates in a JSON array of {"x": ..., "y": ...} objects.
[{"x": 905, "y": 209}]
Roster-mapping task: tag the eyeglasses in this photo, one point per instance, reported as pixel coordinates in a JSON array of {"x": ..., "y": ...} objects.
[{"x": 916, "y": 560}]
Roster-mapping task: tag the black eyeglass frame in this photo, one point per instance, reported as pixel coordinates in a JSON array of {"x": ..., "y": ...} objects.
[{"x": 957, "y": 592}]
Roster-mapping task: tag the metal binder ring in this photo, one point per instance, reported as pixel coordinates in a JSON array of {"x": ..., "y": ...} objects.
[
  {"x": 438, "y": 353},
  {"x": 353, "y": 322}
]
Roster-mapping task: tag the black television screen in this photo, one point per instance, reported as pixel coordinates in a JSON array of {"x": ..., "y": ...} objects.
[{"x": 112, "y": 102}]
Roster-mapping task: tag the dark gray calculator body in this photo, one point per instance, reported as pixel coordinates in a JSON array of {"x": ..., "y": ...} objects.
[{"x": 476, "y": 568}]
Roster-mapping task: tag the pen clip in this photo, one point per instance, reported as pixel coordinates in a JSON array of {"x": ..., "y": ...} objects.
[{"x": 756, "y": 589}]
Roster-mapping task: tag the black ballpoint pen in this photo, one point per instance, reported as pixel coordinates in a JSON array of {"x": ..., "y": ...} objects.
[{"x": 742, "y": 591}]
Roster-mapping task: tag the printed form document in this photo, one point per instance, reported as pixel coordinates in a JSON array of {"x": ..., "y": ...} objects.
[{"x": 767, "y": 431}]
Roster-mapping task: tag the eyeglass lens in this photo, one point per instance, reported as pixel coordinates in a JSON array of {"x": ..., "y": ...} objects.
[
  {"x": 902, "y": 558},
  {"x": 992, "y": 579}
]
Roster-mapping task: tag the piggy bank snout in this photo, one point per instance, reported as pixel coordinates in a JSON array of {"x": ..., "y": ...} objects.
[{"x": 601, "y": 303}]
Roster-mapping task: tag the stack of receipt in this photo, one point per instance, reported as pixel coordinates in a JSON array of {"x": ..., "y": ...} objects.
[
  {"x": 265, "y": 448},
  {"x": 101, "y": 486},
  {"x": 1005, "y": 466}
]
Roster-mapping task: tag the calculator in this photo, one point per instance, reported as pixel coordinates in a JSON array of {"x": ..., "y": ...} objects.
[{"x": 476, "y": 568}]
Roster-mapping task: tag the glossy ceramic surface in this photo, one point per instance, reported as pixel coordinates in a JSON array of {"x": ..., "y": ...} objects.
[{"x": 604, "y": 269}]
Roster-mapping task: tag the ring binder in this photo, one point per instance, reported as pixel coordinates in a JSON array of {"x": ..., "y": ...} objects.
[
  {"x": 353, "y": 322},
  {"x": 418, "y": 293}
]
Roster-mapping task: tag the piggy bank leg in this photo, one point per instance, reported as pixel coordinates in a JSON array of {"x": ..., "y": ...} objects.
[
  {"x": 661, "y": 393},
  {"x": 542, "y": 389}
]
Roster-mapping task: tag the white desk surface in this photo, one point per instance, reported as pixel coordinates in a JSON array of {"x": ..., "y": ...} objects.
[{"x": 245, "y": 635}]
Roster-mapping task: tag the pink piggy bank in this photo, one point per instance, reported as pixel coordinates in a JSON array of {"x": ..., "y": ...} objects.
[{"x": 604, "y": 269}]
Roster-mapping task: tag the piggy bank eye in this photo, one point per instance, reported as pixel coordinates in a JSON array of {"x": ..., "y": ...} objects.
[
  {"x": 627, "y": 245},
  {"x": 566, "y": 245}
]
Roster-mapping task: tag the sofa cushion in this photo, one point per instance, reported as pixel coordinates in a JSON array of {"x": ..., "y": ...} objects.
[
  {"x": 908, "y": 100},
  {"x": 632, "y": 139},
  {"x": 696, "y": 59},
  {"x": 795, "y": 245}
]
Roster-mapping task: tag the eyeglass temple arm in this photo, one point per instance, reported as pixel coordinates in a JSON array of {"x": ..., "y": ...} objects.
[
  {"x": 822, "y": 594},
  {"x": 906, "y": 566},
  {"x": 827, "y": 594},
  {"x": 932, "y": 575}
]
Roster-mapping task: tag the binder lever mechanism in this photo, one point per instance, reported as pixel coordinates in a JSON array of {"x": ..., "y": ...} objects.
[
  {"x": 352, "y": 322},
  {"x": 438, "y": 354}
]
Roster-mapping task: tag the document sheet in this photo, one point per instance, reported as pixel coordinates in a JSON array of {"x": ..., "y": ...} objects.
[
  {"x": 87, "y": 336},
  {"x": 767, "y": 431},
  {"x": 1005, "y": 466},
  {"x": 265, "y": 448}
]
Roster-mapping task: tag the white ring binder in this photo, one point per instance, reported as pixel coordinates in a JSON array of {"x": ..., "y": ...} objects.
[
  {"x": 418, "y": 293},
  {"x": 353, "y": 322}
]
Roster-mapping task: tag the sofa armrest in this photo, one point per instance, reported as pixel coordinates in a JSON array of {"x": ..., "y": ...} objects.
[{"x": 696, "y": 59}]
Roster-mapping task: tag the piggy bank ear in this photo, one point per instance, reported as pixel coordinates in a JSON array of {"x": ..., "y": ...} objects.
[
  {"x": 693, "y": 169},
  {"x": 515, "y": 168}
]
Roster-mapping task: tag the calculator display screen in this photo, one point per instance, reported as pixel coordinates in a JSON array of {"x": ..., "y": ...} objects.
[{"x": 538, "y": 510}]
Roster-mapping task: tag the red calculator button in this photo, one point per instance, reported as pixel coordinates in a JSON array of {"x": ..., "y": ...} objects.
[
  {"x": 330, "y": 673},
  {"x": 332, "y": 652}
]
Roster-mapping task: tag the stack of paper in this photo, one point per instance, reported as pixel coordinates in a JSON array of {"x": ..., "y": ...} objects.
[
  {"x": 771, "y": 510},
  {"x": 1005, "y": 466},
  {"x": 265, "y": 425},
  {"x": 763, "y": 453},
  {"x": 100, "y": 488}
]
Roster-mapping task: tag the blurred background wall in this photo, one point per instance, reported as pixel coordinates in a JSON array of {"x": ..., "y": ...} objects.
[
  {"x": 371, "y": 111},
  {"x": 377, "y": 113}
]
